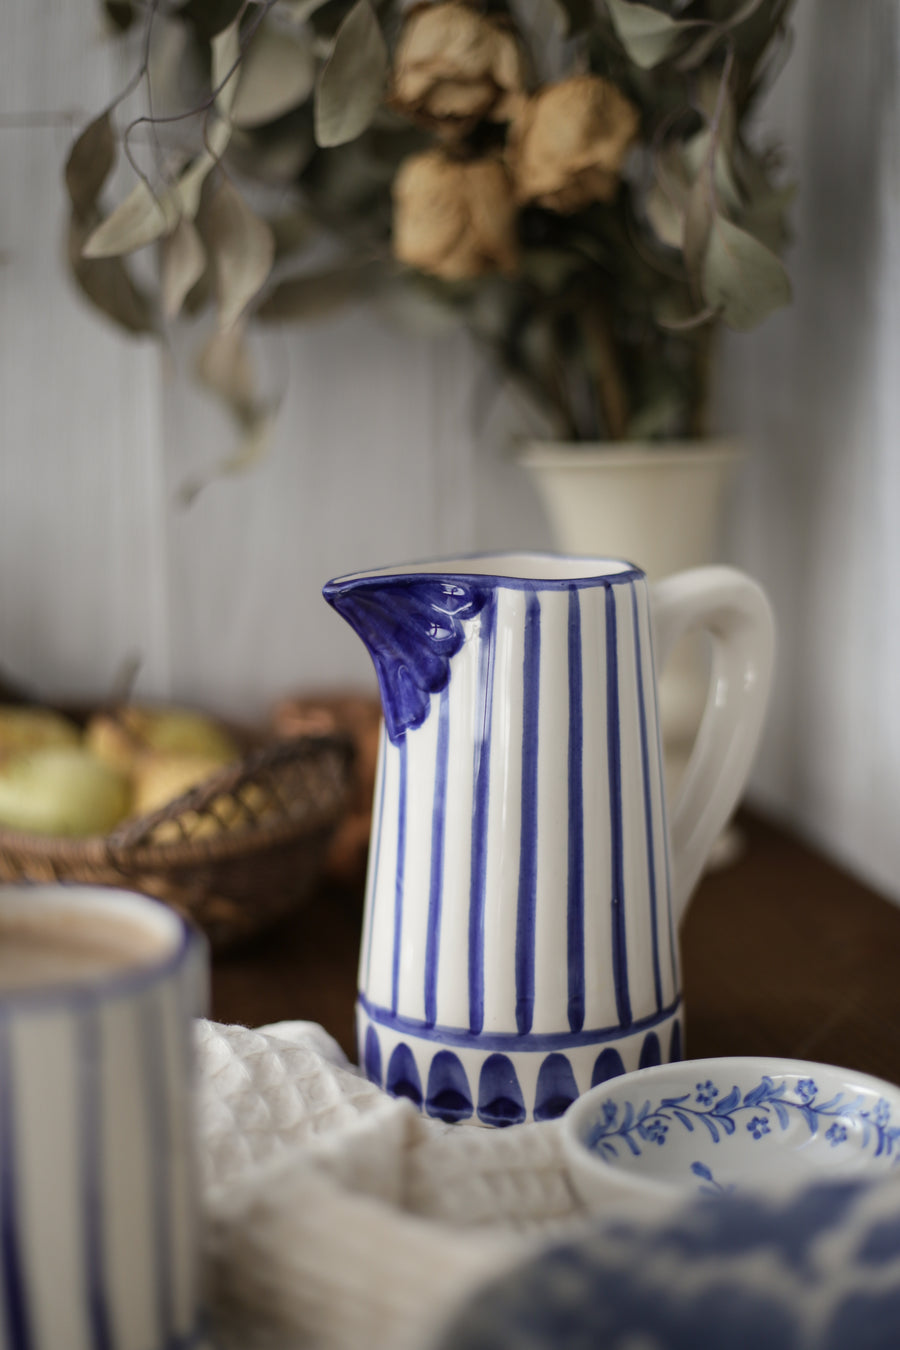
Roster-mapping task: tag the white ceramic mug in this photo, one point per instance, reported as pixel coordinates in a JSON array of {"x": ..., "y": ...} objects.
[
  {"x": 98, "y": 1223},
  {"x": 524, "y": 889}
]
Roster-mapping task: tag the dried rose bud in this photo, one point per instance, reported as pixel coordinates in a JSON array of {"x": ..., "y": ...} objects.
[
  {"x": 454, "y": 66},
  {"x": 569, "y": 141},
  {"x": 453, "y": 218}
]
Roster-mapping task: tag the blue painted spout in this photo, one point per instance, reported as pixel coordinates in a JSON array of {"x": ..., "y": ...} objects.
[{"x": 412, "y": 624}]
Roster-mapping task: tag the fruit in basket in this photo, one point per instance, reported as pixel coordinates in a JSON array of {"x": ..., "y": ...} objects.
[
  {"x": 160, "y": 778},
  {"x": 63, "y": 790},
  {"x": 359, "y": 716},
  {"x": 28, "y": 728},
  {"x": 123, "y": 737}
]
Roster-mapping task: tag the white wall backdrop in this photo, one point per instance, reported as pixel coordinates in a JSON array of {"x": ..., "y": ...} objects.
[
  {"x": 376, "y": 457},
  {"x": 816, "y": 394}
]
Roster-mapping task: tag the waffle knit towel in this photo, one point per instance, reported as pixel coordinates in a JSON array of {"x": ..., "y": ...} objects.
[{"x": 339, "y": 1217}]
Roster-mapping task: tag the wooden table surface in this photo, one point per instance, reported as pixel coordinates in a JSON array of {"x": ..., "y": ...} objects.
[{"x": 783, "y": 954}]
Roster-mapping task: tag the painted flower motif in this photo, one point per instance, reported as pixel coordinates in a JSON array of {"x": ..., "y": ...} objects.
[
  {"x": 758, "y": 1126},
  {"x": 882, "y": 1112},
  {"x": 836, "y": 1134},
  {"x": 806, "y": 1089},
  {"x": 707, "y": 1093},
  {"x": 654, "y": 1131},
  {"x": 610, "y": 1110}
]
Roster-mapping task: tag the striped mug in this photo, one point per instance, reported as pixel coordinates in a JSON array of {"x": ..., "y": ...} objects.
[
  {"x": 99, "y": 1234},
  {"x": 524, "y": 887}
]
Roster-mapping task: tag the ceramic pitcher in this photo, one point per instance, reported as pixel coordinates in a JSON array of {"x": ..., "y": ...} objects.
[{"x": 525, "y": 887}]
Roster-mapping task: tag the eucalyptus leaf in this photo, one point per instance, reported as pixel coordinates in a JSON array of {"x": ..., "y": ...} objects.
[
  {"x": 413, "y": 308},
  {"x": 741, "y": 278},
  {"x": 209, "y": 17},
  {"x": 697, "y": 151},
  {"x": 648, "y": 35},
  {"x": 672, "y": 308},
  {"x": 666, "y": 217},
  {"x": 90, "y": 163},
  {"x": 242, "y": 248},
  {"x": 351, "y": 83},
  {"x": 225, "y": 56},
  {"x": 223, "y": 366},
  {"x": 183, "y": 264},
  {"x": 186, "y": 191},
  {"x": 138, "y": 220},
  {"x": 315, "y": 294},
  {"x": 766, "y": 217},
  {"x": 107, "y": 283},
  {"x": 145, "y": 216},
  {"x": 278, "y": 71}
]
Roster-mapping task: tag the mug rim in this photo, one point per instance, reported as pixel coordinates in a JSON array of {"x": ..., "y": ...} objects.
[
  {"x": 597, "y": 571},
  {"x": 129, "y": 980}
]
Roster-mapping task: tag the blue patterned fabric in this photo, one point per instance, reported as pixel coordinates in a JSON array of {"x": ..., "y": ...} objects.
[{"x": 817, "y": 1270}]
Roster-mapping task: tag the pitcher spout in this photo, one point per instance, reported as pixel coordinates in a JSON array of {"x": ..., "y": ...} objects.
[{"x": 412, "y": 624}]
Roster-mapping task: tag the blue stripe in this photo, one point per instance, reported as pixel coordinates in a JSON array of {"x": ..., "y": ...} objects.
[
  {"x": 398, "y": 880},
  {"x": 185, "y": 1015},
  {"x": 372, "y": 888},
  {"x": 614, "y": 752},
  {"x": 509, "y": 1041},
  {"x": 156, "y": 1100},
  {"x": 575, "y": 911},
  {"x": 89, "y": 1078},
  {"x": 664, "y": 810},
  {"x": 482, "y": 779},
  {"x": 432, "y": 936},
  {"x": 648, "y": 805},
  {"x": 15, "y": 1301},
  {"x": 527, "y": 892}
]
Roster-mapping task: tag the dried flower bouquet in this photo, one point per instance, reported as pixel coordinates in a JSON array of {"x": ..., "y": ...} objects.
[{"x": 574, "y": 180}]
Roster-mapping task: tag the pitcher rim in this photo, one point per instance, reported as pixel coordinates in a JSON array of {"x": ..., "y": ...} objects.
[{"x": 453, "y": 568}]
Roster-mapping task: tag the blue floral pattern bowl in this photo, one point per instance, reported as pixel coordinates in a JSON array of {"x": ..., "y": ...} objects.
[{"x": 720, "y": 1125}]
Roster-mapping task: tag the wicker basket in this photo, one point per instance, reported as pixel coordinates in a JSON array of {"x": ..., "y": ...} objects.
[{"x": 234, "y": 854}]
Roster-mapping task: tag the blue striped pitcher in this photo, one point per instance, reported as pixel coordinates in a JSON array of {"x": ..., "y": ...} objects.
[{"x": 524, "y": 886}]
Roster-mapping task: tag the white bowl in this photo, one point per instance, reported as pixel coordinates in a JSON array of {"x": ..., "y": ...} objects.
[{"x": 720, "y": 1125}]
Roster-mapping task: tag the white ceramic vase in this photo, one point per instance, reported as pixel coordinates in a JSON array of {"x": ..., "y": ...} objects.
[{"x": 659, "y": 506}]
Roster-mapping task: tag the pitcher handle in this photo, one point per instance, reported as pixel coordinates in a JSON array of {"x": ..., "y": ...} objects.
[{"x": 735, "y": 612}]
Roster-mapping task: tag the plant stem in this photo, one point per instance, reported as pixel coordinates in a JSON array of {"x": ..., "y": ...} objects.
[
  {"x": 701, "y": 361},
  {"x": 606, "y": 371}
]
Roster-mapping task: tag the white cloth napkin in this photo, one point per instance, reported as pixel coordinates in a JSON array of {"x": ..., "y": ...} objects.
[{"x": 339, "y": 1217}]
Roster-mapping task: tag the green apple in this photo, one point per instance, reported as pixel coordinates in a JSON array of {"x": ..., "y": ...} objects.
[
  {"x": 161, "y": 777},
  {"x": 121, "y": 738},
  {"x": 27, "y": 728},
  {"x": 61, "y": 790}
]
